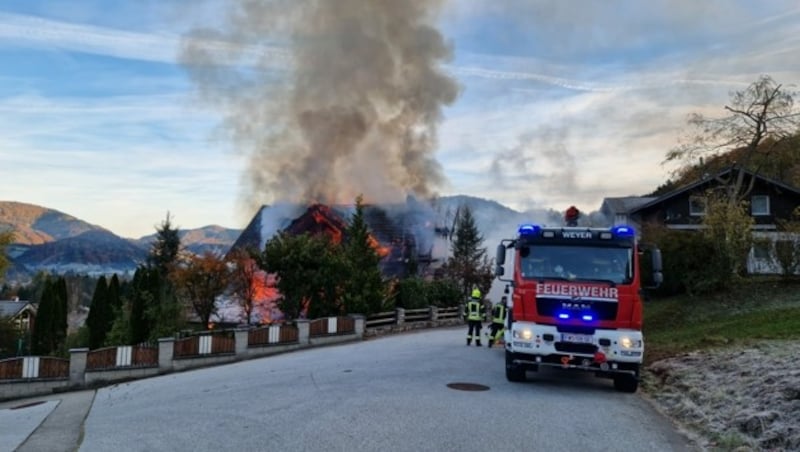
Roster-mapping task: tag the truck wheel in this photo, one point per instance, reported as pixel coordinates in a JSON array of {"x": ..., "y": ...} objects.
[
  {"x": 626, "y": 383},
  {"x": 514, "y": 372}
]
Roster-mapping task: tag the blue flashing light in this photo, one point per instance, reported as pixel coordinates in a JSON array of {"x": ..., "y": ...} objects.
[
  {"x": 588, "y": 318},
  {"x": 529, "y": 229},
  {"x": 623, "y": 231},
  {"x": 563, "y": 315}
]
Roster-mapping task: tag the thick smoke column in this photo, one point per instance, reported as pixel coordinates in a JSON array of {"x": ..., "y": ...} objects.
[{"x": 351, "y": 108}]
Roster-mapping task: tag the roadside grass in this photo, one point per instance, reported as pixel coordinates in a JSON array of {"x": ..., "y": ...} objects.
[{"x": 754, "y": 308}]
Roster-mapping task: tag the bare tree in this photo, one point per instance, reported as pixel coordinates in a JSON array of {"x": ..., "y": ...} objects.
[
  {"x": 244, "y": 280},
  {"x": 760, "y": 119}
]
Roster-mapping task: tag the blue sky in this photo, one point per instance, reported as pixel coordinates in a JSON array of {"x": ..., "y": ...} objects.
[{"x": 560, "y": 102}]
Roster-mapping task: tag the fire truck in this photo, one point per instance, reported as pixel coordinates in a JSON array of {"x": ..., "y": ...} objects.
[{"x": 576, "y": 301}]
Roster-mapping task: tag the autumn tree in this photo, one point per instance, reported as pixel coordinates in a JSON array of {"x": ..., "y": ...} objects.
[
  {"x": 787, "y": 246},
  {"x": 728, "y": 225},
  {"x": 760, "y": 120},
  {"x": 244, "y": 280},
  {"x": 6, "y": 237},
  {"x": 199, "y": 280},
  {"x": 363, "y": 290},
  {"x": 469, "y": 265},
  {"x": 308, "y": 270}
]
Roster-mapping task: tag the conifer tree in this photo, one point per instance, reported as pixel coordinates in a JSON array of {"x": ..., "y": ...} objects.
[
  {"x": 363, "y": 289},
  {"x": 114, "y": 296},
  {"x": 50, "y": 327},
  {"x": 469, "y": 265},
  {"x": 62, "y": 312},
  {"x": 140, "y": 298},
  {"x": 165, "y": 249},
  {"x": 99, "y": 319},
  {"x": 43, "y": 326}
]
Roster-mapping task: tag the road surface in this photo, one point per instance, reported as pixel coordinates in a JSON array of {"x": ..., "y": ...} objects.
[{"x": 388, "y": 393}]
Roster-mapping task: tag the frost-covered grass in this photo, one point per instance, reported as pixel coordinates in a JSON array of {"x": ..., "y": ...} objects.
[
  {"x": 725, "y": 367},
  {"x": 764, "y": 308}
]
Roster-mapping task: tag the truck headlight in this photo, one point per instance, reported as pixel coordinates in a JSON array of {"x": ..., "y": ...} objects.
[
  {"x": 524, "y": 334},
  {"x": 627, "y": 342}
]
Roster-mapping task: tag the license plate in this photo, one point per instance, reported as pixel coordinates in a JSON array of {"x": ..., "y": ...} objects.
[{"x": 576, "y": 338}]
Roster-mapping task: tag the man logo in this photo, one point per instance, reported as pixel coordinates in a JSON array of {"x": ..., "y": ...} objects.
[{"x": 576, "y": 305}]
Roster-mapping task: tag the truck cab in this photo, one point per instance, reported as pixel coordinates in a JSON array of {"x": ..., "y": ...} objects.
[{"x": 577, "y": 301}]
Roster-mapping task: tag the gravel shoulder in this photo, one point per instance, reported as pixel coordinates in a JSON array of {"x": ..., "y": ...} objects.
[{"x": 740, "y": 398}]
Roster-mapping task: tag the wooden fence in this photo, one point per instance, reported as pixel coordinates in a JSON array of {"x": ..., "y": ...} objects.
[
  {"x": 205, "y": 344},
  {"x": 381, "y": 319},
  {"x": 272, "y": 335},
  {"x": 142, "y": 355},
  {"x": 34, "y": 367},
  {"x": 332, "y": 326},
  {"x": 401, "y": 316}
]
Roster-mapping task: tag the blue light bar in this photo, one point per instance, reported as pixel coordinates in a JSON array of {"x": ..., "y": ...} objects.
[
  {"x": 588, "y": 318},
  {"x": 529, "y": 229},
  {"x": 563, "y": 315},
  {"x": 623, "y": 231}
]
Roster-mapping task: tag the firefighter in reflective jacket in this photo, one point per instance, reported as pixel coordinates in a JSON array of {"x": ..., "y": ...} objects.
[
  {"x": 498, "y": 322},
  {"x": 475, "y": 313}
]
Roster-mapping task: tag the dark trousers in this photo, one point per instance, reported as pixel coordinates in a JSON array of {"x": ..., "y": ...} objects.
[
  {"x": 496, "y": 327},
  {"x": 474, "y": 331}
]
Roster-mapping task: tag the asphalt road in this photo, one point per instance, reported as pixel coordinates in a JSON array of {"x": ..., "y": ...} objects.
[{"x": 388, "y": 393}]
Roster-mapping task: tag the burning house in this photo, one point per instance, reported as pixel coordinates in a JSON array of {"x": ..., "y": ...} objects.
[
  {"x": 402, "y": 232},
  {"x": 353, "y": 108}
]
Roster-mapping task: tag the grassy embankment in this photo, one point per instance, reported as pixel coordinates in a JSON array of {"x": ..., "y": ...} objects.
[{"x": 755, "y": 308}]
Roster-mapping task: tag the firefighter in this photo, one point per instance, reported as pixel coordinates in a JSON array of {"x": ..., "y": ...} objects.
[
  {"x": 475, "y": 313},
  {"x": 498, "y": 321}
]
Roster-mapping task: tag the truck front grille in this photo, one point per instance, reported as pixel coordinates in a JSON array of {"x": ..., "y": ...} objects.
[{"x": 600, "y": 310}]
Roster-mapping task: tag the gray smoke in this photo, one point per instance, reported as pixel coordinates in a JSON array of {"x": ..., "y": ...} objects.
[
  {"x": 540, "y": 159},
  {"x": 328, "y": 99}
]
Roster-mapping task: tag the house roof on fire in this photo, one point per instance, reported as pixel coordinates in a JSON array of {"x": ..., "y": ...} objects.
[{"x": 388, "y": 223}]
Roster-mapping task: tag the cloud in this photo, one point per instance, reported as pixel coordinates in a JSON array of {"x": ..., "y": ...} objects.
[{"x": 121, "y": 162}]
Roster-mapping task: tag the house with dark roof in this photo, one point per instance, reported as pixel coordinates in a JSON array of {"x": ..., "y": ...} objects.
[
  {"x": 617, "y": 210},
  {"x": 21, "y": 313},
  {"x": 684, "y": 209}
]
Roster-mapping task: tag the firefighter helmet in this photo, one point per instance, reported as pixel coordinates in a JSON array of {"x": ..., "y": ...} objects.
[{"x": 476, "y": 293}]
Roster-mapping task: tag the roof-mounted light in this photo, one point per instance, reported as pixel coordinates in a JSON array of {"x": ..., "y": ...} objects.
[
  {"x": 529, "y": 229},
  {"x": 623, "y": 231}
]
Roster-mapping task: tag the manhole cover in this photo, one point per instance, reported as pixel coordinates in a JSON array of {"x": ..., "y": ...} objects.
[
  {"x": 27, "y": 405},
  {"x": 467, "y": 386}
]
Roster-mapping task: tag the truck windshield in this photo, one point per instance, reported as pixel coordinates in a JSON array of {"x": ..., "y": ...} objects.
[{"x": 585, "y": 263}]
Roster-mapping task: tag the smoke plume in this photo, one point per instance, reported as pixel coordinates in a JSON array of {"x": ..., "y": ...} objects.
[{"x": 328, "y": 99}]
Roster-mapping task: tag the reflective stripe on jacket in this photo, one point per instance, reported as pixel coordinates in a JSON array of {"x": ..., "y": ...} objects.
[
  {"x": 474, "y": 308},
  {"x": 499, "y": 314}
]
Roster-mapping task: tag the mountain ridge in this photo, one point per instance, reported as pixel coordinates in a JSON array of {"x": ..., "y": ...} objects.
[{"x": 49, "y": 240}]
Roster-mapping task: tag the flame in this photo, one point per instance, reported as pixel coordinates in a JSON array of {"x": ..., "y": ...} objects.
[{"x": 382, "y": 251}]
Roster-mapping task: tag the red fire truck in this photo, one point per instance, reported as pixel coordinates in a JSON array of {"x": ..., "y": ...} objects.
[{"x": 576, "y": 301}]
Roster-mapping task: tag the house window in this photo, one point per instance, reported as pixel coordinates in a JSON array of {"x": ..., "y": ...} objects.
[
  {"x": 759, "y": 205},
  {"x": 697, "y": 205},
  {"x": 762, "y": 249}
]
